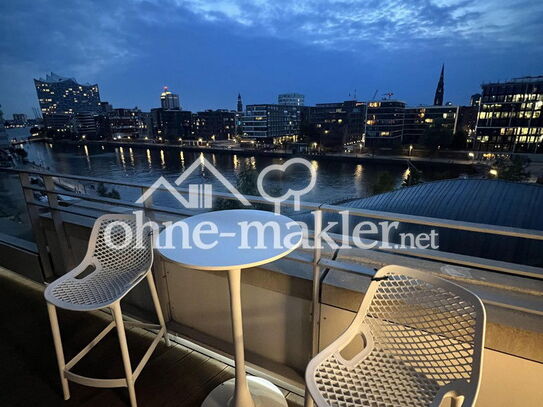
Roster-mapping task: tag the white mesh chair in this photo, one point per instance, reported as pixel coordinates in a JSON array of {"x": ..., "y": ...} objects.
[
  {"x": 423, "y": 338},
  {"x": 116, "y": 261}
]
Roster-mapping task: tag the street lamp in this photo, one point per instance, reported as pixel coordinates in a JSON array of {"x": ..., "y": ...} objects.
[{"x": 410, "y": 149}]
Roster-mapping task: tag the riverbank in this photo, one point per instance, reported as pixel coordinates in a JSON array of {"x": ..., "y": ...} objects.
[{"x": 468, "y": 166}]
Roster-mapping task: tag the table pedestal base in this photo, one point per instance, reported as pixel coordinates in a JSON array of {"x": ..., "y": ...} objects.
[{"x": 265, "y": 394}]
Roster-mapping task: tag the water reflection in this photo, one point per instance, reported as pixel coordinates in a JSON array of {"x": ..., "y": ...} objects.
[{"x": 336, "y": 180}]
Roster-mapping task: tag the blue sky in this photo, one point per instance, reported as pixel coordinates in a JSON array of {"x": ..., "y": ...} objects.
[{"x": 208, "y": 51}]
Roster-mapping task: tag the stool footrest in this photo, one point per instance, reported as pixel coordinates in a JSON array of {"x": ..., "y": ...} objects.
[
  {"x": 94, "y": 382},
  {"x": 112, "y": 383}
]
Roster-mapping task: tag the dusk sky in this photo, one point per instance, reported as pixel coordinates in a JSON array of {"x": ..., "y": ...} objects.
[{"x": 208, "y": 51}]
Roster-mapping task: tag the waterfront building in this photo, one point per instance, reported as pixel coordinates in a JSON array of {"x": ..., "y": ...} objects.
[
  {"x": 83, "y": 125},
  {"x": 58, "y": 95},
  {"x": 475, "y": 99},
  {"x": 419, "y": 119},
  {"x": 214, "y": 125},
  {"x": 19, "y": 119},
  {"x": 466, "y": 123},
  {"x": 384, "y": 123},
  {"x": 335, "y": 125},
  {"x": 171, "y": 124},
  {"x": 267, "y": 123},
  {"x": 61, "y": 99},
  {"x": 128, "y": 123},
  {"x": 169, "y": 100},
  {"x": 440, "y": 89},
  {"x": 291, "y": 99},
  {"x": 105, "y": 108},
  {"x": 510, "y": 116}
]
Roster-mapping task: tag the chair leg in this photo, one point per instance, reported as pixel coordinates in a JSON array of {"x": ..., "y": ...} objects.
[
  {"x": 57, "y": 340},
  {"x": 160, "y": 315},
  {"x": 118, "y": 316}
]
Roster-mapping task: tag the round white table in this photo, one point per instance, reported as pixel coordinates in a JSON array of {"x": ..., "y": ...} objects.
[{"x": 239, "y": 239}]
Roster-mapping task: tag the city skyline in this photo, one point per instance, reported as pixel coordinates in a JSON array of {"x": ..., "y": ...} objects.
[{"x": 209, "y": 54}]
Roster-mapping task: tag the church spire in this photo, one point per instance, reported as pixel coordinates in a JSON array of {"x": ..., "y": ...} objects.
[
  {"x": 440, "y": 90},
  {"x": 240, "y": 104}
]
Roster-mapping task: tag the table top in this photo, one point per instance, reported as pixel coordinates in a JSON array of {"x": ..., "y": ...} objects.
[{"x": 231, "y": 239}]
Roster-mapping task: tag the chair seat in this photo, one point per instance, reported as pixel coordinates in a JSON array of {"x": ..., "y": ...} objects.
[
  {"x": 379, "y": 381},
  {"x": 99, "y": 289}
]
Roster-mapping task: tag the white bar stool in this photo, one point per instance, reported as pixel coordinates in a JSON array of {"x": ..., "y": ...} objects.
[
  {"x": 423, "y": 340},
  {"x": 113, "y": 265}
]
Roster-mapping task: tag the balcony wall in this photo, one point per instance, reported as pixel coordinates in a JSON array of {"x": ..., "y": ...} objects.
[{"x": 277, "y": 303}]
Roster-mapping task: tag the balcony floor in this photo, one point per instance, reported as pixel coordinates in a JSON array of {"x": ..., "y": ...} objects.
[{"x": 175, "y": 376}]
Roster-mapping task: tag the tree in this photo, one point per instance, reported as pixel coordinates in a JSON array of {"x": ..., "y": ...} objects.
[
  {"x": 247, "y": 185},
  {"x": 435, "y": 137},
  {"x": 513, "y": 168},
  {"x": 385, "y": 183},
  {"x": 460, "y": 140}
]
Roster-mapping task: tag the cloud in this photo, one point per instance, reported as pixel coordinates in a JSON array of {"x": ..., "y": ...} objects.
[{"x": 346, "y": 24}]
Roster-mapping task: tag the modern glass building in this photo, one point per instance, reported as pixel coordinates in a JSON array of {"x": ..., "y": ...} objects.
[
  {"x": 267, "y": 122},
  {"x": 291, "y": 99},
  {"x": 384, "y": 123},
  {"x": 169, "y": 100},
  {"x": 510, "y": 116},
  {"x": 418, "y": 119},
  {"x": 59, "y": 95}
]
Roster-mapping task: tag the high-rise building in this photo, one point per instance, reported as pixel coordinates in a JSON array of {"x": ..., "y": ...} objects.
[
  {"x": 268, "y": 123},
  {"x": 291, "y": 99},
  {"x": 384, "y": 123},
  {"x": 440, "y": 90},
  {"x": 169, "y": 100},
  {"x": 511, "y": 116},
  {"x": 65, "y": 96}
]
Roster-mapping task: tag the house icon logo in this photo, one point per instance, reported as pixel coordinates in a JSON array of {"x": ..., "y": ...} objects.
[{"x": 200, "y": 195}]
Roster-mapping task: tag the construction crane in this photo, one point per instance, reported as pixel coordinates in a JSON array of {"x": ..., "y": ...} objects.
[{"x": 388, "y": 95}]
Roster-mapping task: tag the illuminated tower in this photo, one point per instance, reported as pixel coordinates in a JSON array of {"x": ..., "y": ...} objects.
[
  {"x": 438, "y": 98},
  {"x": 169, "y": 100}
]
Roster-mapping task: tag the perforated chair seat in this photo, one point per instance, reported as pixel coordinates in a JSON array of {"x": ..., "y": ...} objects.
[
  {"x": 422, "y": 342},
  {"x": 380, "y": 381},
  {"x": 112, "y": 267},
  {"x": 119, "y": 257}
]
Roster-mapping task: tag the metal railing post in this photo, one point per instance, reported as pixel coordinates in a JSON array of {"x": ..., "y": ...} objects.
[
  {"x": 316, "y": 306},
  {"x": 64, "y": 243},
  {"x": 37, "y": 231},
  {"x": 158, "y": 268}
]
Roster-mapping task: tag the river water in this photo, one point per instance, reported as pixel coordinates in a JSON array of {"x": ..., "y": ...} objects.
[{"x": 336, "y": 180}]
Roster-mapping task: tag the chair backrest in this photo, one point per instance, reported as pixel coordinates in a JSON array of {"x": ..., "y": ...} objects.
[
  {"x": 117, "y": 244},
  {"x": 429, "y": 324}
]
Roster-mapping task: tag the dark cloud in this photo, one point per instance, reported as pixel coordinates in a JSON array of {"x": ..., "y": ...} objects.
[{"x": 208, "y": 51}]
